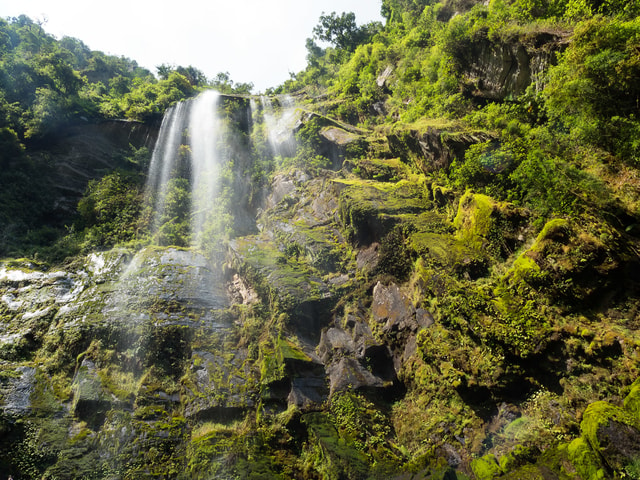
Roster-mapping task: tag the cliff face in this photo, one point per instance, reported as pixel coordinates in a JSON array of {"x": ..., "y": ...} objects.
[
  {"x": 499, "y": 69},
  {"x": 85, "y": 151},
  {"x": 363, "y": 321}
]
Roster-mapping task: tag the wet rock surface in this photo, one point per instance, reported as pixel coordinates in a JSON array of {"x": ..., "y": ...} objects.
[
  {"x": 85, "y": 151},
  {"x": 16, "y": 392}
]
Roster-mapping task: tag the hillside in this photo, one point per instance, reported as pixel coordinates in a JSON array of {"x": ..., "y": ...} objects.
[{"x": 416, "y": 259}]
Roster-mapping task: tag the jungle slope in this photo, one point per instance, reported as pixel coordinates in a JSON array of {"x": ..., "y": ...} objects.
[{"x": 441, "y": 282}]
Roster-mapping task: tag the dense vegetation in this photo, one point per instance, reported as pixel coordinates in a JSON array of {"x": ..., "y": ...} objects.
[
  {"x": 515, "y": 231},
  {"x": 48, "y": 85}
]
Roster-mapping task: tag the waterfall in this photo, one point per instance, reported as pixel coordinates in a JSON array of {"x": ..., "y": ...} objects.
[
  {"x": 194, "y": 145},
  {"x": 185, "y": 167},
  {"x": 204, "y": 134},
  {"x": 163, "y": 161},
  {"x": 279, "y": 119}
]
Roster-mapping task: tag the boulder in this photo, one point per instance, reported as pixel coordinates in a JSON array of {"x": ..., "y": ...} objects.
[
  {"x": 612, "y": 432},
  {"x": 90, "y": 400},
  {"x": 393, "y": 309},
  {"x": 15, "y": 391},
  {"x": 368, "y": 258},
  {"x": 335, "y": 342},
  {"x": 349, "y": 374},
  {"x": 306, "y": 374}
]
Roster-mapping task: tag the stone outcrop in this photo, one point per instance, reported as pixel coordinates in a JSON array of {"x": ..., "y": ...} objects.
[
  {"x": 16, "y": 392},
  {"x": 90, "y": 400},
  {"x": 503, "y": 69},
  {"x": 84, "y": 151},
  {"x": 398, "y": 320},
  {"x": 433, "y": 149}
]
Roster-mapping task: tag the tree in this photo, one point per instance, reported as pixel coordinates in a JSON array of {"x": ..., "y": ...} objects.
[
  {"x": 164, "y": 70},
  {"x": 223, "y": 83},
  {"x": 195, "y": 77},
  {"x": 394, "y": 10},
  {"x": 343, "y": 32}
]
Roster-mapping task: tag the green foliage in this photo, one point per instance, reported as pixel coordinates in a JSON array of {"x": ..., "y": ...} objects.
[
  {"x": 308, "y": 143},
  {"x": 592, "y": 92},
  {"x": 486, "y": 468},
  {"x": 223, "y": 83},
  {"x": 110, "y": 209},
  {"x": 403, "y": 10},
  {"x": 342, "y": 31}
]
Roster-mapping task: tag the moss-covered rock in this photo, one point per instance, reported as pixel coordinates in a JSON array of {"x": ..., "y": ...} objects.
[
  {"x": 485, "y": 224},
  {"x": 612, "y": 432},
  {"x": 587, "y": 463},
  {"x": 632, "y": 401},
  {"x": 330, "y": 453},
  {"x": 90, "y": 400},
  {"x": 568, "y": 261},
  {"x": 486, "y": 467}
]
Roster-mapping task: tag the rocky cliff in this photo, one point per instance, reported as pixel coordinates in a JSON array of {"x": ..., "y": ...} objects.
[{"x": 365, "y": 320}]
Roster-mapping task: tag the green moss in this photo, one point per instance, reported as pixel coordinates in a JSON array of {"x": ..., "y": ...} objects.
[
  {"x": 272, "y": 272},
  {"x": 271, "y": 364},
  {"x": 474, "y": 220},
  {"x": 518, "y": 456},
  {"x": 632, "y": 401},
  {"x": 446, "y": 251},
  {"x": 43, "y": 400},
  {"x": 291, "y": 351},
  {"x": 525, "y": 269},
  {"x": 122, "y": 384},
  {"x": 331, "y": 454},
  {"x": 552, "y": 229},
  {"x": 599, "y": 414},
  {"x": 486, "y": 468},
  {"x": 380, "y": 170},
  {"x": 369, "y": 209},
  {"x": 586, "y": 462}
]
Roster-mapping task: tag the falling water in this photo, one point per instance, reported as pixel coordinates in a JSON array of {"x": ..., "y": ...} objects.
[
  {"x": 204, "y": 134},
  {"x": 189, "y": 156},
  {"x": 187, "y": 143},
  {"x": 279, "y": 124},
  {"x": 163, "y": 161}
]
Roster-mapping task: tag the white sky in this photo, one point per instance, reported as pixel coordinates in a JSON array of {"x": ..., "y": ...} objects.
[{"x": 257, "y": 41}]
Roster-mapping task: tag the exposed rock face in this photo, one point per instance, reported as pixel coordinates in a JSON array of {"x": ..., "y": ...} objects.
[
  {"x": 16, "y": 392},
  {"x": 90, "y": 400},
  {"x": 383, "y": 79},
  {"x": 399, "y": 320},
  {"x": 501, "y": 70},
  {"x": 170, "y": 276},
  {"x": 348, "y": 374},
  {"x": 337, "y": 141},
  {"x": 354, "y": 358},
  {"x": 334, "y": 138},
  {"x": 83, "y": 152},
  {"x": 434, "y": 149},
  {"x": 218, "y": 389}
]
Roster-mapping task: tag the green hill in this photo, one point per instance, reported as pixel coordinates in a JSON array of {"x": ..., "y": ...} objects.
[{"x": 435, "y": 275}]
